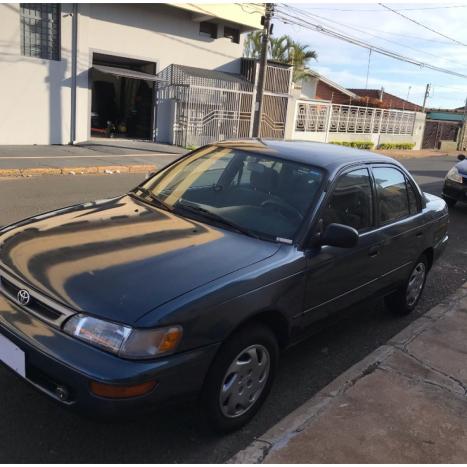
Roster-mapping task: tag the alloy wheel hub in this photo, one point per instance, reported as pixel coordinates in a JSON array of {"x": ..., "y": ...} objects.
[{"x": 416, "y": 281}]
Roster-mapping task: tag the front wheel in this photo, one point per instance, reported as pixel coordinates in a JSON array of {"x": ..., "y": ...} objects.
[
  {"x": 405, "y": 299},
  {"x": 240, "y": 377}
]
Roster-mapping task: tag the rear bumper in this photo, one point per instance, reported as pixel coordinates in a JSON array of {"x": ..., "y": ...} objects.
[
  {"x": 457, "y": 191},
  {"x": 55, "y": 359}
]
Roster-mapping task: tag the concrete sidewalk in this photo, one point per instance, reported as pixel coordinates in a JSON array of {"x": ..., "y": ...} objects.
[
  {"x": 92, "y": 157},
  {"x": 405, "y": 403}
]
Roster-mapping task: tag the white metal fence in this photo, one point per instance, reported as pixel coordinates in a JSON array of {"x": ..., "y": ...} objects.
[
  {"x": 210, "y": 106},
  {"x": 335, "y": 118},
  {"x": 212, "y": 114}
]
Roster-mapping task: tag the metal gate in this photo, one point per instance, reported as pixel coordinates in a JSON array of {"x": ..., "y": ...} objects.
[
  {"x": 436, "y": 131},
  {"x": 206, "y": 114},
  {"x": 273, "y": 116},
  {"x": 209, "y": 105}
]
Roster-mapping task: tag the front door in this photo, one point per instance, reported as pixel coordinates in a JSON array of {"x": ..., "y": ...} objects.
[{"x": 339, "y": 277}]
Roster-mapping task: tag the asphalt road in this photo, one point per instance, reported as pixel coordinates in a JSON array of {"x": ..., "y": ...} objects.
[{"x": 34, "y": 429}]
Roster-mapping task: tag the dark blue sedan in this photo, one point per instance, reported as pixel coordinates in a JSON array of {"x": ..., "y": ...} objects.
[
  {"x": 455, "y": 183},
  {"x": 192, "y": 283}
]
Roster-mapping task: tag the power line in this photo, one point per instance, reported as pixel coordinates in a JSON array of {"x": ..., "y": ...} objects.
[
  {"x": 422, "y": 25},
  {"x": 350, "y": 25},
  {"x": 290, "y": 18},
  {"x": 314, "y": 16},
  {"x": 400, "y": 9},
  {"x": 438, "y": 41}
]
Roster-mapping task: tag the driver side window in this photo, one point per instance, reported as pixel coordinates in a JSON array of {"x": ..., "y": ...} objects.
[{"x": 351, "y": 201}]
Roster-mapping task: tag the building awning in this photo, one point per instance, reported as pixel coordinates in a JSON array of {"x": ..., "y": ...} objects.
[{"x": 126, "y": 73}]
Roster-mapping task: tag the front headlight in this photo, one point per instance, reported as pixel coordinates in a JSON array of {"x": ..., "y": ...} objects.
[
  {"x": 454, "y": 175},
  {"x": 124, "y": 341}
]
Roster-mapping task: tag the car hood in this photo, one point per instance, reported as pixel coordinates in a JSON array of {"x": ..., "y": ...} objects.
[{"x": 121, "y": 258}]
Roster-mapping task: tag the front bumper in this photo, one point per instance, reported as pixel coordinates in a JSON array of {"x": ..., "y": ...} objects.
[
  {"x": 454, "y": 190},
  {"x": 54, "y": 359}
]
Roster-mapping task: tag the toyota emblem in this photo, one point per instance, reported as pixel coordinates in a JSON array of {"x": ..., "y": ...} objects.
[{"x": 23, "y": 297}]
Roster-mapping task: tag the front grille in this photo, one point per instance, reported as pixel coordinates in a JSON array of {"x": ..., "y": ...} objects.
[{"x": 38, "y": 305}]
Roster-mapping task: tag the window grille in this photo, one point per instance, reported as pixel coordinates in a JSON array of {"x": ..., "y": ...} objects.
[{"x": 40, "y": 30}]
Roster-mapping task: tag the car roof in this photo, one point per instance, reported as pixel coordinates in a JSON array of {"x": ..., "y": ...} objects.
[{"x": 328, "y": 156}]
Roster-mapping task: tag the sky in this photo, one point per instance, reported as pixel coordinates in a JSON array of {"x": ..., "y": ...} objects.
[{"x": 347, "y": 64}]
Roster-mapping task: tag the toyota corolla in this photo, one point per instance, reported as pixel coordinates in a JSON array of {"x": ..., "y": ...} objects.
[{"x": 193, "y": 282}]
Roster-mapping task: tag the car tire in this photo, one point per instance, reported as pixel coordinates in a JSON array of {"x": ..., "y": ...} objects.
[
  {"x": 240, "y": 377},
  {"x": 404, "y": 300},
  {"x": 451, "y": 202}
]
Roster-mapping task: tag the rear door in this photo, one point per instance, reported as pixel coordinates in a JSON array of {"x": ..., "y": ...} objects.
[
  {"x": 339, "y": 277},
  {"x": 399, "y": 220}
]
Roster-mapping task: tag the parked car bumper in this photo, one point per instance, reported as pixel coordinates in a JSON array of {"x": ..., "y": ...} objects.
[
  {"x": 454, "y": 190},
  {"x": 57, "y": 363}
]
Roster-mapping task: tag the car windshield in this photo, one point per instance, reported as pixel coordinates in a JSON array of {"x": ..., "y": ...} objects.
[{"x": 259, "y": 195}]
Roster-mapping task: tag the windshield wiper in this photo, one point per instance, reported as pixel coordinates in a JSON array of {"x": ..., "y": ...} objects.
[
  {"x": 217, "y": 218},
  {"x": 149, "y": 194}
]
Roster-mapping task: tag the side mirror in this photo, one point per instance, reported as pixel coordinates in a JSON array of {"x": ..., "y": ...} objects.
[
  {"x": 339, "y": 235},
  {"x": 461, "y": 157}
]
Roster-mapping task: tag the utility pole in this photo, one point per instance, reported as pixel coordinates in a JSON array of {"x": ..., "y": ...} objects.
[
  {"x": 427, "y": 94},
  {"x": 463, "y": 141},
  {"x": 74, "y": 61},
  {"x": 263, "y": 62},
  {"x": 407, "y": 99},
  {"x": 368, "y": 69}
]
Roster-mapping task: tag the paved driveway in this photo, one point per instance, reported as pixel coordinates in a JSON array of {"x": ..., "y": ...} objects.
[{"x": 34, "y": 429}]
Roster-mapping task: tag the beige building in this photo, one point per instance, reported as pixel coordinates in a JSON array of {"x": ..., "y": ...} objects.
[{"x": 51, "y": 95}]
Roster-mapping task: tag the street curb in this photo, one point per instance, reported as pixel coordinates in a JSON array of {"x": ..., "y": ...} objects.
[
  {"x": 101, "y": 169},
  {"x": 297, "y": 421}
]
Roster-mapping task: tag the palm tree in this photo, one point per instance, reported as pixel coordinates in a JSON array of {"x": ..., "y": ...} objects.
[
  {"x": 300, "y": 55},
  {"x": 282, "y": 49},
  {"x": 279, "y": 48},
  {"x": 252, "y": 46}
]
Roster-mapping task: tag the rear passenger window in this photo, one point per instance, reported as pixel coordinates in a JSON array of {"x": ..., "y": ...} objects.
[
  {"x": 350, "y": 202},
  {"x": 393, "y": 199}
]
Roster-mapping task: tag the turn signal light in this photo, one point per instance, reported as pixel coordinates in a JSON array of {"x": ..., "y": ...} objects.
[{"x": 113, "y": 391}]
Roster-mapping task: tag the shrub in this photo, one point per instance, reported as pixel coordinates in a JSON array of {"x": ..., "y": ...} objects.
[
  {"x": 396, "y": 146},
  {"x": 355, "y": 144}
]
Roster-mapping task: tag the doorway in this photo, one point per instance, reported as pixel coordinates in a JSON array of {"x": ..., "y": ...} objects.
[{"x": 123, "y": 97}]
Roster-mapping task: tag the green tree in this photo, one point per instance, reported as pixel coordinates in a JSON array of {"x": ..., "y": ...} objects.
[
  {"x": 299, "y": 56},
  {"x": 282, "y": 49},
  {"x": 279, "y": 48},
  {"x": 252, "y": 45}
]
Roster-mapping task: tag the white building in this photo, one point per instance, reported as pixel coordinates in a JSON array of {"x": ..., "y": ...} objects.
[{"x": 119, "y": 50}]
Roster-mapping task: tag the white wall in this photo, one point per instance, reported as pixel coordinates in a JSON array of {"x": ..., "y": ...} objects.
[{"x": 35, "y": 93}]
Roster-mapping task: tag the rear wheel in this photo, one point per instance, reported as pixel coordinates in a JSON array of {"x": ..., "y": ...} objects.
[
  {"x": 240, "y": 377},
  {"x": 405, "y": 299}
]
